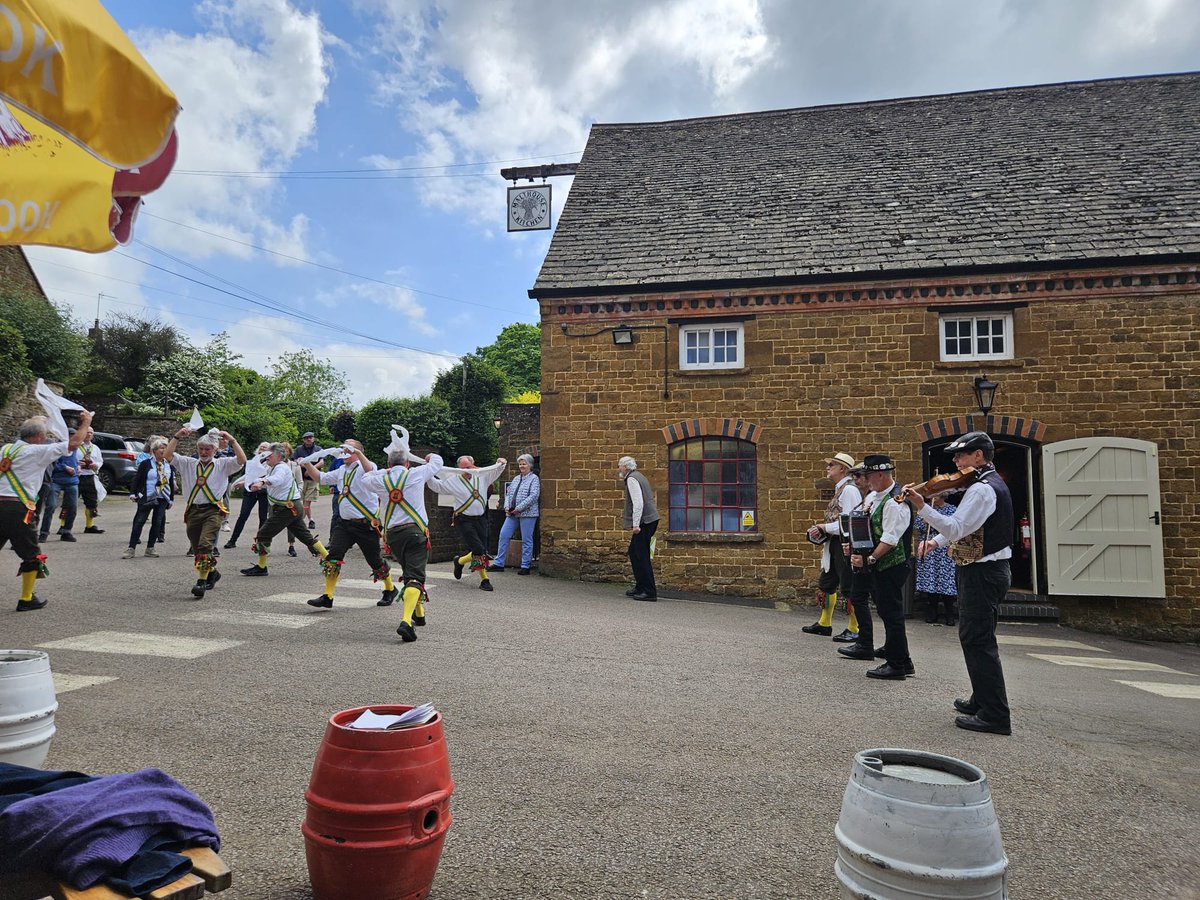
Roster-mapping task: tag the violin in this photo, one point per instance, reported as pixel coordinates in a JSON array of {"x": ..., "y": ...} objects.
[{"x": 944, "y": 484}]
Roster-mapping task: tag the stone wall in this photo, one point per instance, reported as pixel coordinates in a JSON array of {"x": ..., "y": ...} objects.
[
  {"x": 15, "y": 270},
  {"x": 138, "y": 428},
  {"x": 858, "y": 369}
]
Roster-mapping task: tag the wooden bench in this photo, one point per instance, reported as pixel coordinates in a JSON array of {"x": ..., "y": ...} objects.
[{"x": 209, "y": 873}]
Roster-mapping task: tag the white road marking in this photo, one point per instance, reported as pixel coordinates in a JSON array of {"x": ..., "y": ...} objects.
[
  {"x": 246, "y": 617},
  {"x": 1174, "y": 691},
  {"x": 339, "y": 600},
  {"x": 172, "y": 646},
  {"x": 64, "y": 682},
  {"x": 1020, "y": 641},
  {"x": 1103, "y": 662}
]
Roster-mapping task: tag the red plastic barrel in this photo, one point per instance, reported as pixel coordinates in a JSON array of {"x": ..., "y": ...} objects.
[{"x": 378, "y": 809}]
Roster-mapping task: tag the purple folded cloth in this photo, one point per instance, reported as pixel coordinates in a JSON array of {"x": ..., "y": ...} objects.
[{"x": 81, "y": 833}]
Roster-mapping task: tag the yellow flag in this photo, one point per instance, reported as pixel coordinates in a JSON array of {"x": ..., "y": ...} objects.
[
  {"x": 68, "y": 63},
  {"x": 53, "y": 192}
]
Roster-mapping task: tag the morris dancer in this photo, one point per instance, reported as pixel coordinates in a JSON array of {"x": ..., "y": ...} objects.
[
  {"x": 91, "y": 458},
  {"x": 285, "y": 515},
  {"x": 205, "y": 481},
  {"x": 356, "y": 522},
  {"x": 22, "y": 465},
  {"x": 835, "y": 566},
  {"x": 468, "y": 485},
  {"x": 403, "y": 491}
]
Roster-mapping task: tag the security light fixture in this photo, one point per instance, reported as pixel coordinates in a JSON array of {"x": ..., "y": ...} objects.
[{"x": 622, "y": 334}]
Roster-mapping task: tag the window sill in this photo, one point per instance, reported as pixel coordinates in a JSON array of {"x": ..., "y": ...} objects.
[
  {"x": 686, "y": 373},
  {"x": 988, "y": 364},
  {"x": 714, "y": 537}
]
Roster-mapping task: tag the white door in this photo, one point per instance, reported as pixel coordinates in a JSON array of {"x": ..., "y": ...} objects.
[{"x": 1103, "y": 522}]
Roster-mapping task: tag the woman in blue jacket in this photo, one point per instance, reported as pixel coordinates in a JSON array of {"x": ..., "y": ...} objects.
[{"x": 521, "y": 510}]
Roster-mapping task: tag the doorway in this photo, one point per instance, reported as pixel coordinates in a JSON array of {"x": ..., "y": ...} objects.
[{"x": 1018, "y": 464}]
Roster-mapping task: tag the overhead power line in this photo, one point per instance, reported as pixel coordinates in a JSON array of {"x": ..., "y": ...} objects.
[{"x": 298, "y": 173}]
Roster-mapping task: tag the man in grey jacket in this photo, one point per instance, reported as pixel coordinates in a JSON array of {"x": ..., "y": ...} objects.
[{"x": 641, "y": 517}]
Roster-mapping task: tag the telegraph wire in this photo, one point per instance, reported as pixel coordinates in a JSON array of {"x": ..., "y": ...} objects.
[{"x": 298, "y": 173}]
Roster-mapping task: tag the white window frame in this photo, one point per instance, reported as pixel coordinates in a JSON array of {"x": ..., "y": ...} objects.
[
  {"x": 704, "y": 334},
  {"x": 975, "y": 319}
]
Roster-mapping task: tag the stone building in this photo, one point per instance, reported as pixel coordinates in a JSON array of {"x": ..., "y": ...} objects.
[{"x": 731, "y": 299}]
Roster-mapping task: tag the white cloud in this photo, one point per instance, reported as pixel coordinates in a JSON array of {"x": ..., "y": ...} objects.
[{"x": 392, "y": 297}]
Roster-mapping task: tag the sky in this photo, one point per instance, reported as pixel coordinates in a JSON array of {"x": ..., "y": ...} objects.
[{"x": 338, "y": 184}]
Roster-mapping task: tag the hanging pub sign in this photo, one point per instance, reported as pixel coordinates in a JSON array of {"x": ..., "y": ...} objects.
[{"x": 529, "y": 208}]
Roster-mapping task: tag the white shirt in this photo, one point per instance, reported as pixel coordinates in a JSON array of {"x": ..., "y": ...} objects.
[
  {"x": 896, "y": 516},
  {"x": 90, "y": 451},
  {"x": 414, "y": 489},
  {"x": 848, "y": 500},
  {"x": 337, "y": 479},
  {"x": 281, "y": 483},
  {"x": 29, "y": 462},
  {"x": 217, "y": 481},
  {"x": 454, "y": 483},
  {"x": 977, "y": 504}
]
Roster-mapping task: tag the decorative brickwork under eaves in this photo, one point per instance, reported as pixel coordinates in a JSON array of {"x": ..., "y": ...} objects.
[{"x": 1062, "y": 175}]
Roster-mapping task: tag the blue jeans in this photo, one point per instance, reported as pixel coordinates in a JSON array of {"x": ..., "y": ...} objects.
[
  {"x": 507, "y": 530},
  {"x": 70, "y": 502}
]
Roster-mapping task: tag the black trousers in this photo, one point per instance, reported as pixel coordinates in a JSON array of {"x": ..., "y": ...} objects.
[
  {"x": 981, "y": 589},
  {"x": 347, "y": 533},
  {"x": 639, "y": 559},
  {"x": 860, "y": 599},
  {"x": 21, "y": 534},
  {"x": 155, "y": 510},
  {"x": 473, "y": 532},
  {"x": 250, "y": 499},
  {"x": 408, "y": 548},
  {"x": 283, "y": 519},
  {"x": 888, "y": 589},
  {"x": 839, "y": 574},
  {"x": 87, "y": 492}
]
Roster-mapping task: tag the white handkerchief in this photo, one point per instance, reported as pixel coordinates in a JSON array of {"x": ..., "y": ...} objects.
[
  {"x": 195, "y": 422},
  {"x": 54, "y": 406}
]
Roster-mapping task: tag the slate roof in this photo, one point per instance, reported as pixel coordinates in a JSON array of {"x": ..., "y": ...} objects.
[{"x": 1096, "y": 170}]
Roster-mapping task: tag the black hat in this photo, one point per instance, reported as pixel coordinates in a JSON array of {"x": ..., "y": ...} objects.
[
  {"x": 307, "y": 434},
  {"x": 878, "y": 462},
  {"x": 858, "y": 470},
  {"x": 972, "y": 440}
]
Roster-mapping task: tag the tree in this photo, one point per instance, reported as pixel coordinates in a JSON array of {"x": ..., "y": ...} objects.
[
  {"x": 122, "y": 349},
  {"x": 517, "y": 352},
  {"x": 341, "y": 425},
  {"x": 14, "y": 361},
  {"x": 247, "y": 411},
  {"x": 429, "y": 421},
  {"x": 181, "y": 381},
  {"x": 53, "y": 346},
  {"x": 308, "y": 390},
  {"x": 475, "y": 401}
]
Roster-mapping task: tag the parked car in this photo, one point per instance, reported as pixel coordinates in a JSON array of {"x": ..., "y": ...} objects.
[{"x": 120, "y": 457}]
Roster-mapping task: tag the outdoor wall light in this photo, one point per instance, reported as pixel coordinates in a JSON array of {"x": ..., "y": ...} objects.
[
  {"x": 985, "y": 393},
  {"x": 622, "y": 334},
  {"x": 496, "y": 422}
]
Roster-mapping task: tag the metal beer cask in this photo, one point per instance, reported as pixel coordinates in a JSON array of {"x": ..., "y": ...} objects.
[
  {"x": 918, "y": 825},
  {"x": 27, "y": 707},
  {"x": 378, "y": 809}
]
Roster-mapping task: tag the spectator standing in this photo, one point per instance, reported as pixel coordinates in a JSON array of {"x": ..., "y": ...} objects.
[
  {"x": 154, "y": 494},
  {"x": 641, "y": 518},
  {"x": 521, "y": 511},
  {"x": 64, "y": 486},
  {"x": 251, "y": 500},
  {"x": 935, "y": 570},
  {"x": 310, "y": 490}
]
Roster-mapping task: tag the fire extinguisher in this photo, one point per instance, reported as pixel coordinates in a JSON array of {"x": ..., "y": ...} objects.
[{"x": 1026, "y": 537}]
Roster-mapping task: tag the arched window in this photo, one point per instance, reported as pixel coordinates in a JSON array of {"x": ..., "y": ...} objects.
[{"x": 714, "y": 485}]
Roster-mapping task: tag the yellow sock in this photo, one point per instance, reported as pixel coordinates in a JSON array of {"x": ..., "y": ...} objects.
[
  {"x": 420, "y": 609},
  {"x": 853, "y": 623},
  {"x": 827, "y": 613},
  {"x": 464, "y": 559},
  {"x": 388, "y": 584},
  {"x": 27, "y": 580},
  {"x": 87, "y": 517},
  {"x": 320, "y": 548},
  {"x": 483, "y": 575},
  {"x": 412, "y": 598},
  {"x": 202, "y": 570},
  {"x": 262, "y": 560},
  {"x": 330, "y": 584}
]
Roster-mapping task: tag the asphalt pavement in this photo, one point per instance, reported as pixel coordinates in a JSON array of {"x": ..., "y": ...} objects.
[{"x": 602, "y": 747}]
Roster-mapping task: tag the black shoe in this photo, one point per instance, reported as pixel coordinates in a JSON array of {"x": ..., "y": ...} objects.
[
  {"x": 230, "y": 545},
  {"x": 32, "y": 603},
  {"x": 818, "y": 628},
  {"x": 322, "y": 602},
  {"x": 879, "y": 653},
  {"x": 522, "y": 571},
  {"x": 966, "y": 707},
  {"x": 485, "y": 585},
  {"x": 418, "y": 620},
  {"x": 42, "y": 538},
  {"x": 632, "y": 591},
  {"x": 887, "y": 671},
  {"x": 909, "y": 669},
  {"x": 311, "y": 524},
  {"x": 952, "y": 621},
  {"x": 856, "y": 651},
  {"x": 68, "y": 537},
  {"x": 61, "y": 529},
  {"x": 458, "y": 570},
  {"x": 255, "y": 570},
  {"x": 846, "y": 637},
  {"x": 931, "y": 619},
  {"x": 199, "y": 588},
  {"x": 406, "y": 633},
  {"x": 642, "y": 595},
  {"x": 388, "y": 598},
  {"x": 974, "y": 723},
  {"x": 495, "y": 568},
  {"x": 291, "y": 551},
  {"x": 92, "y": 529},
  {"x": 213, "y": 577}
]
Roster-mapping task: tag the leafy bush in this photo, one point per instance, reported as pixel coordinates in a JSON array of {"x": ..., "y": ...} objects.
[{"x": 428, "y": 420}]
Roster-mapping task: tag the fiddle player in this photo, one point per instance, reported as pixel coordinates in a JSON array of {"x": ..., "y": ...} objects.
[
  {"x": 979, "y": 536},
  {"x": 886, "y": 567}
]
